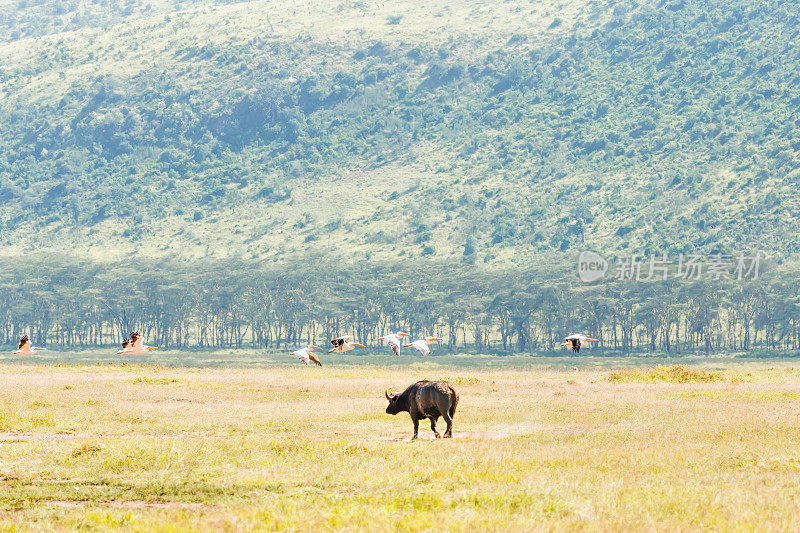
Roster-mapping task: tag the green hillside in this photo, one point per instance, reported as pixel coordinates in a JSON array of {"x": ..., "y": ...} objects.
[{"x": 480, "y": 131}]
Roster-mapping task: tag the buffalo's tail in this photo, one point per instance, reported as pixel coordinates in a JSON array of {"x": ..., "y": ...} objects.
[{"x": 453, "y": 405}]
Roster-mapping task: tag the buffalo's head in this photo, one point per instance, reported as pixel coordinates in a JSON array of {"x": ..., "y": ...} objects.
[{"x": 394, "y": 405}]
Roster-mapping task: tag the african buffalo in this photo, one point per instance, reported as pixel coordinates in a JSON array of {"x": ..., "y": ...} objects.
[{"x": 426, "y": 399}]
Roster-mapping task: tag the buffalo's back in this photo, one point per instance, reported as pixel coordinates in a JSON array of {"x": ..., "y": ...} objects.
[{"x": 434, "y": 397}]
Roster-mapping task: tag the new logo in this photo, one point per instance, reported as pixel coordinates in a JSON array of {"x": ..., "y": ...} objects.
[{"x": 591, "y": 266}]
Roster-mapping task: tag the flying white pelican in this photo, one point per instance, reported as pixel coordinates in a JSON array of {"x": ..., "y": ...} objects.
[
  {"x": 306, "y": 355},
  {"x": 25, "y": 347},
  {"x": 343, "y": 344},
  {"x": 136, "y": 345},
  {"x": 421, "y": 345},
  {"x": 576, "y": 340},
  {"x": 394, "y": 341}
]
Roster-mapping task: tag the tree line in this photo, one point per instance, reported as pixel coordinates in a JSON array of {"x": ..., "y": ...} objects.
[{"x": 233, "y": 304}]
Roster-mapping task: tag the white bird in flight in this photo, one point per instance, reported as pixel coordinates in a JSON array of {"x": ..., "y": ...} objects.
[
  {"x": 306, "y": 355},
  {"x": 394, "y": 341},
  {"x": 25, "y": 347},
  {"x": 422, "y": 345},
  {"x": 576, "y": 340},
  {"x": 343, "y": 344},
  {"x": 136, "y": 345}
]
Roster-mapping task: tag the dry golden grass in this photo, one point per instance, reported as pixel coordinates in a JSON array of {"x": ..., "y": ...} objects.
[{"x": 302, "y": 448}]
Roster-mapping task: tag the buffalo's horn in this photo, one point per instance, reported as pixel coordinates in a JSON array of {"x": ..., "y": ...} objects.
[{"x": 388, "y": 396}]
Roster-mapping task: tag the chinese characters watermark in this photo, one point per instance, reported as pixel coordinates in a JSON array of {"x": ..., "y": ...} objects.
[{"x": 687, "y": 267}]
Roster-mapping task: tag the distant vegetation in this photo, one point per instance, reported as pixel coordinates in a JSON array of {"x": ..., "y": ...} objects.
[
  {"x": 619, "y": 125},
  {"x": 481, "y": 141},
  {"x": 233, "y": 304}
]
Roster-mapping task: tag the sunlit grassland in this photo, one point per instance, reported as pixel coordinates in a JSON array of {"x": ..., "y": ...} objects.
[{"x": 292, "y": 447}]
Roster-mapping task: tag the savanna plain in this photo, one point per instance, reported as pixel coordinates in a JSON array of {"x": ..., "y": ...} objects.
[{"x": 616, "y": 445}]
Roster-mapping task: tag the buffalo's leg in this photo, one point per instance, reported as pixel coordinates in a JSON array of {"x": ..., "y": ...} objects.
[
  {"x": 433, "y": 428},
  {"x": 447, "y": 418},
  {"x": 416, "y": 427}
]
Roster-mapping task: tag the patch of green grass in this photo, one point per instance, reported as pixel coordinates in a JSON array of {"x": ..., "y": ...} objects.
[
  {"x": 463, "y": 380},
  {"x": 86, "y": 448},
  {"x": 743, "y": 396},
  {"x": 670, "y": 374},
  {"x": 154, "y": 381}
]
